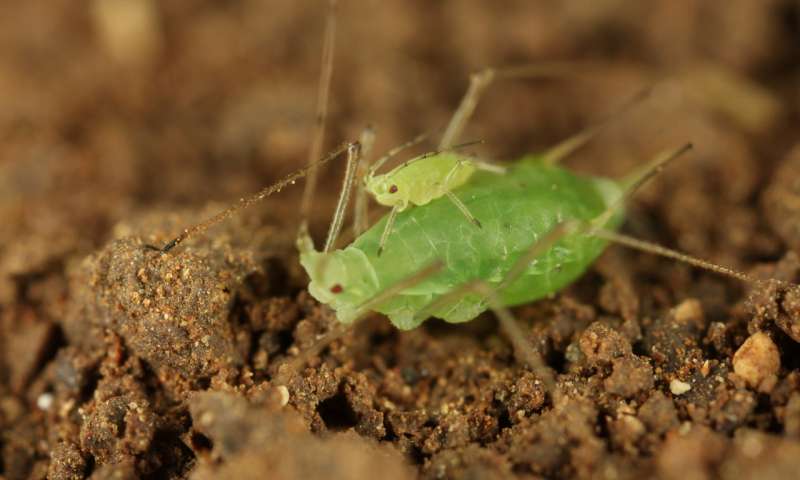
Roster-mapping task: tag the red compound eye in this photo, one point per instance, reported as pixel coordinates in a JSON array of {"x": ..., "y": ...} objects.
[
  {"x": 393, "y": 189},
  {"x": 336, "y": 289}
]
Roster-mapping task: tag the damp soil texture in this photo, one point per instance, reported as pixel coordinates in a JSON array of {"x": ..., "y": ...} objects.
[{"x": 125, "y": 121}]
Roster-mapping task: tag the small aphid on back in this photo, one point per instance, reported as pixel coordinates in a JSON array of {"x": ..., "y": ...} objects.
[{"x": 422, "y": 179}]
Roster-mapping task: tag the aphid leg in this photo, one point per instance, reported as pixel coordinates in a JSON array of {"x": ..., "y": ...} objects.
[
  {"x": 657, "y": 249},
  {"x": 361, "y": 207},
  {"x": 487, "y": 167},
  {"x": 480, "y": 81},
  {"x": 463, "y": 209},
  {"x": 321, "y": 113},
  {"x": 388, "y": 229},
  {"x": 353, "y": 156},
  {"x": 567, "y": 147},
  {"x": 635, "y": 181},
  {"x": 456, "y": 201}
]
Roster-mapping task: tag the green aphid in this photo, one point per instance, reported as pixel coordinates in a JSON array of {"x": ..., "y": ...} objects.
[
  {"x": 515, "y": 209},
  {"x": 421, "y": 180}
]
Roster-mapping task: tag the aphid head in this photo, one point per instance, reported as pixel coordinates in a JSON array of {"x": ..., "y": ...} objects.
[
  {"x": 342, "y": 279},
  {"x": 387, "y": 191}
]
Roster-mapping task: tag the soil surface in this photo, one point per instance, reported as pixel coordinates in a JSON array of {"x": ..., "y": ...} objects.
[{"x": 125, "y": 121}]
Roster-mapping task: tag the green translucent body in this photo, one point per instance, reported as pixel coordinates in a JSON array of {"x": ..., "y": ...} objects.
[{"x": 515, "y": 209}]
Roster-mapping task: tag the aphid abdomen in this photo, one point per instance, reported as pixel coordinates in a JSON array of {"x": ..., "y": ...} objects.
[{"x": 515, "y": 209}]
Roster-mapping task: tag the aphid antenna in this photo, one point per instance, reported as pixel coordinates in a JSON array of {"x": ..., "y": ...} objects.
[
  {"x": 433, "y": 153},
  {"x": 323, "y": 94},
  {"x": 395, "y": 151},
  {"x": 567, "y": 147},
  {"x": 364, "y": 310},
  {"x": 311, "y": 171},
  {"x": 248, "y": 201}
]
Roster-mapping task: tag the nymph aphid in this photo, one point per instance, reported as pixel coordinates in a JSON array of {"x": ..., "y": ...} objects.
[{"x": 422, "y": 179}]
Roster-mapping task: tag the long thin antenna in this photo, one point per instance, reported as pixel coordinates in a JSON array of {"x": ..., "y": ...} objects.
[
  {"x": 322, "y": 112},
  {"x": 394, "y": 151},
  {"x": 247, "y": 202}
]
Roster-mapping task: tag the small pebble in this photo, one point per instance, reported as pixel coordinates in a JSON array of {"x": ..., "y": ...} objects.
[
  {"x": 44, "y": 401},
  {"x": 757, "y": 361},
  {"x": 678, "y": 387},
  {"x": 284, "y": 392}
]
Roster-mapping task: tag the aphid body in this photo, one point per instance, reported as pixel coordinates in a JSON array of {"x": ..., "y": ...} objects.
[
  {"x": 421, "y": 180},
  {"x": 515, "y": 208}
]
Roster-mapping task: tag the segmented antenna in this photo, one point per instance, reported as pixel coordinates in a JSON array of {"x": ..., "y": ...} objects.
[
  {"x": 321, "y": 113},
  {"x": 248, "y": 201}
]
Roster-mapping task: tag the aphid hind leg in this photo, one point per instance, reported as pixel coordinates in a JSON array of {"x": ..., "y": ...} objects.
[
  {"x": 570, "y": 145},
  {"x": 632, "y": 183}
]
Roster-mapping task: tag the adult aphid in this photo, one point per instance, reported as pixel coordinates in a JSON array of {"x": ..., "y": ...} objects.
[{"x": 542, "y": 227}]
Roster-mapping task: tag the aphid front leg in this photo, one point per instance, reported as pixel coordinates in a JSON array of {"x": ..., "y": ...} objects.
[
  {"x": 480, "y": 81},
  {"x": 353, "y": 156},
  {"x": 361, "y": 206},
  {"x": 388, "y": 230}
]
